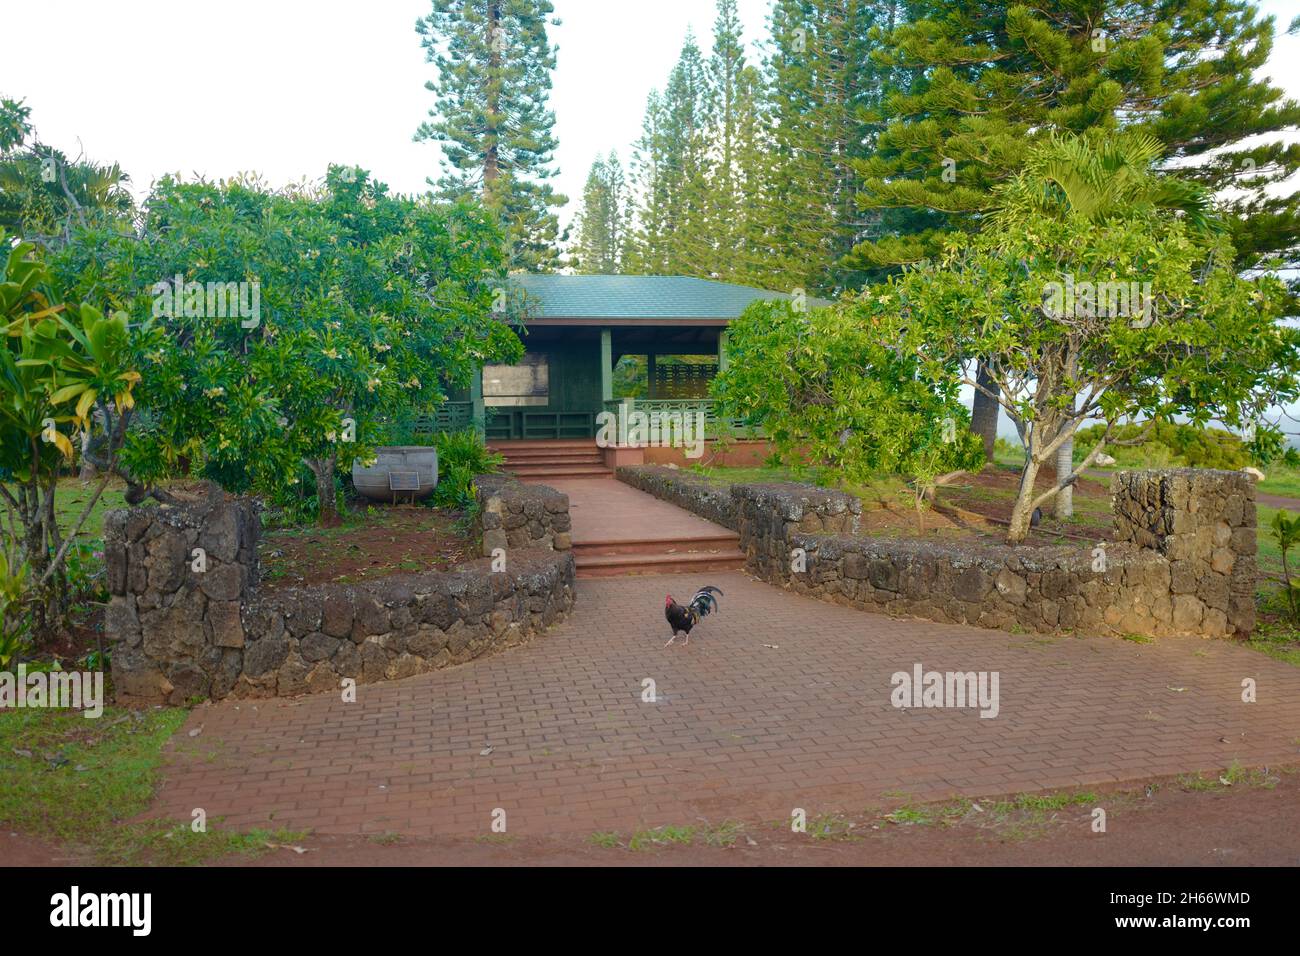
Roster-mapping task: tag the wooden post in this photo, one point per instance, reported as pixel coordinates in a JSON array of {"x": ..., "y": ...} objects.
[
  {"x": 476, "y": 399},
  {"x": 721, "y": 427},
  {"x": 606, "y": 366}
]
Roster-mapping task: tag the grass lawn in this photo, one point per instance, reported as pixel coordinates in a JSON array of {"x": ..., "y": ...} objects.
[
  {"x": 1009, "y": 458},
  {"x": 82, "y": 782},
  {"x": 1280, "y": 480},
  {"x": 1276, "y": 631},
  {"x": 989, "y": 494},
  {"x": 1270, "y": 555},
  {"x": 71, "y": 499}
]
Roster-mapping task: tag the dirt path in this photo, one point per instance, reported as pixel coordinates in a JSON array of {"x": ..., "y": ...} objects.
[
  {"x": 1261, "y": 497},
  {"x": 1277, "y": 501},
  {"x": 1241, "y": 826},
  {"x": 1164, "y": 824}
]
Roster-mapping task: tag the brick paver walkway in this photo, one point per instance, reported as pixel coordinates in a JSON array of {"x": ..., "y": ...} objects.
[
  {"x": 740, "y": 731},
  {"x": 604, "y": 509}
]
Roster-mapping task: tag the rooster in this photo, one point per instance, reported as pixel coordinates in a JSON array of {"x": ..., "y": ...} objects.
[{"x": 684, "y": 618}]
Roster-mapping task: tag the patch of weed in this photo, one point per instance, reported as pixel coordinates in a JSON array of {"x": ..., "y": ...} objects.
[
  {"x": 660, "y": 836},
  {"x": 64, "y": 777}
]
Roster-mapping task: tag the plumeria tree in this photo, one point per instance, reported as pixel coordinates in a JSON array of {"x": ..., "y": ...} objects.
[
  {"x": 342, "y": 304},
  {"x": 1092, "y": 178},
  {"x": 1133, "y": 317},
  {"x": 826, "y": 387}
]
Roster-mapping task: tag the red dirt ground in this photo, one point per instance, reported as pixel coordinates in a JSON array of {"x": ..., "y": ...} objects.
[
  {"x": 1163, "y": 825},
  {"x": 389, "y": 539},
  {"x": 74, "y": 642},
  {"x": 979, "y": 506}
]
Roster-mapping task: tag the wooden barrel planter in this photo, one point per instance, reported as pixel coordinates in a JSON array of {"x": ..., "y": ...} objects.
[{"x": 400, "y": 473}]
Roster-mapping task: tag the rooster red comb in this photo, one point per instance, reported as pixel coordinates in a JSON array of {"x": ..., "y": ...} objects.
[{"x": 668, "y": 599}]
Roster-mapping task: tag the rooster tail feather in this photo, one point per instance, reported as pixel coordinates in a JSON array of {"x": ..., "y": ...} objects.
[{"x": 704, "y": 602}]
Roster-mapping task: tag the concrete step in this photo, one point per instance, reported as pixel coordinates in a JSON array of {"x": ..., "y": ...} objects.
[
  {"x": 541, "y": 444},
  {"x": 612, "y": 565},
  {"x": 553, "y": 459},
  {"x": 560, "y": 471},
  {"x": 724, "y": 541},
  {"x": 590, "y": 448}
]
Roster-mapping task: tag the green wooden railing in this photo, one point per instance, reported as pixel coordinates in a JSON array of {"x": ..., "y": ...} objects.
[
  {"x": 714, "y": 425},
  {"x": 507, "y": 423}
]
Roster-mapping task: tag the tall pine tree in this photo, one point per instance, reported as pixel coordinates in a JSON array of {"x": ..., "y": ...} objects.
[
  {"x": 673, "y": 167},
  {"x": 646, "y": 253},
  {"x": 728, "y": 92},
  {"x": 823, "y": 82},
  {"x": 985, "y": 78},
  {"x": 754, "y": 261},
  {"x": 989, "y": 76},
  {"x": 494, "y": 65},
  {"x": 744, "y": 173},
  {"x": 602, "y": 223}
]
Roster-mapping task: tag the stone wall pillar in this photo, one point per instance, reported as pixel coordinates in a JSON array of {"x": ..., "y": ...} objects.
[
  {"x": 516, "y": 516},
  {"x": 177, "y": 578},
  {"x": 1203, "y": 523},
  {"x": 768, "y": 514}
]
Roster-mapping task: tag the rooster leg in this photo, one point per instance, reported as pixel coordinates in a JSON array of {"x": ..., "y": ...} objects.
[
  {"x": 671, "y": 639},
  {"x": 688, "y": 639}
]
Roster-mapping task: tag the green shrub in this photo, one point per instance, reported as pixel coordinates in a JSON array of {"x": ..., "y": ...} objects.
[
  {"x": 15, "y": 623},
  {"x": 826, "y": 387},
  {"x": 1286, "y": 532},
  {"x": 1169, "y": 444},
  {"x": 461, "y": 456},
  {"x": 1005, "y": 448}
]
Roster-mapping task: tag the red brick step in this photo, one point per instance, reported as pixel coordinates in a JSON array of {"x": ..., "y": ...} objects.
[{"x": 610, "y": 565}]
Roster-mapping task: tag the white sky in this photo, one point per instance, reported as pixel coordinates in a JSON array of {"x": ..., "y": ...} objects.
[{"x": 285, "y": 87}]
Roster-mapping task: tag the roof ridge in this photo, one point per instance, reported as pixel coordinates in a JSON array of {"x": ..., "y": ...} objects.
[
  {"x": 623, "y": 296},
  {"x": 629, "y": 275}
]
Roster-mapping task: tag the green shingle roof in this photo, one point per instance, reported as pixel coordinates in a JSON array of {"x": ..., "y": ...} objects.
[{"x": 638, "y": 297}]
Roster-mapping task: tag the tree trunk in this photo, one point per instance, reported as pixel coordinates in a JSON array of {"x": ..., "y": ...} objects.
[
  {"x": 327, "y": 515},
  {"x": 36, "y": 552},
  {"x": 88, "y": 469},
  {"x": 1023, "y": 510},
  {"x": 492, "y": 136},
  {"x": 1064, "y": 503},
  {"x": 1063, "y": 506},
  {"x": 984, "y": 410}
]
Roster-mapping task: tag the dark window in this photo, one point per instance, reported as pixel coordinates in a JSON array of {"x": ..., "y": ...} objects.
[{"x": 527, "y": 383}]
